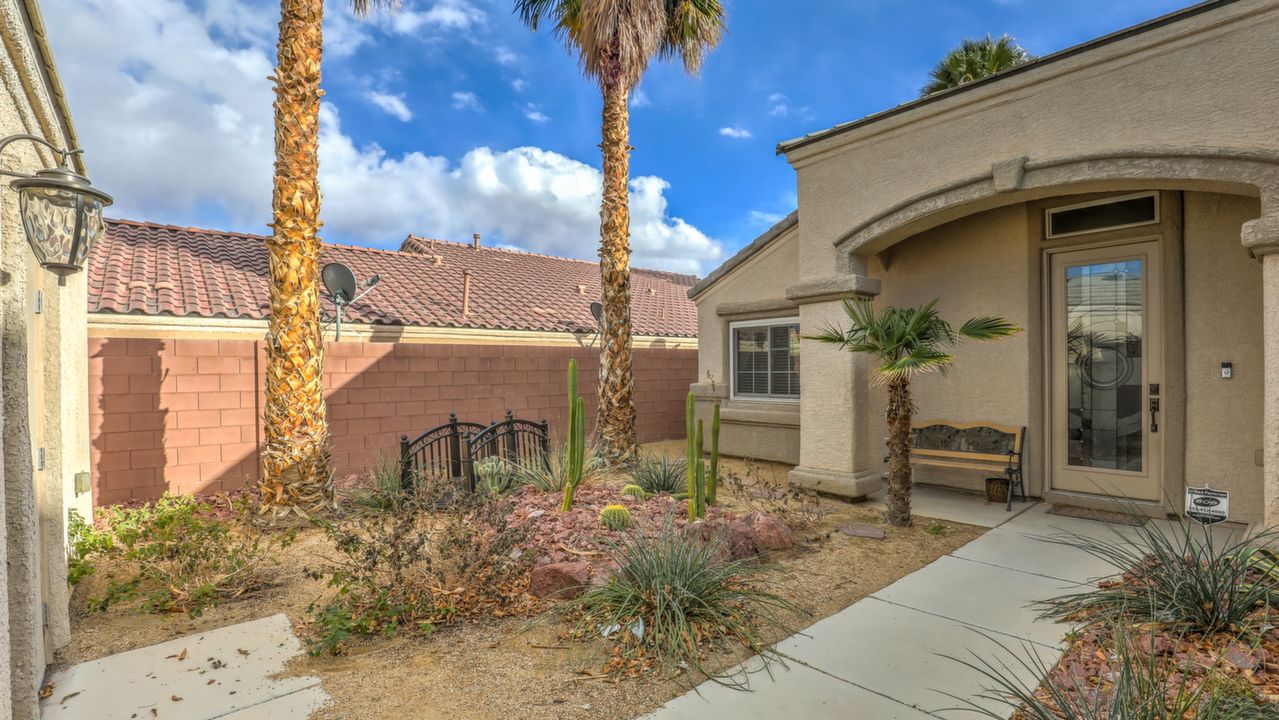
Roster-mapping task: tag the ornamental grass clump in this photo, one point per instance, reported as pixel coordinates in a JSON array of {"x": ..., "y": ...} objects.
[
  {"x": 1137, "y": 685},
  {"x": 672, "y": 599},
  {"x": 657, "y": 473},
  {"x": 553, "y": 475},
  {"x": 1185, "y": 579}
]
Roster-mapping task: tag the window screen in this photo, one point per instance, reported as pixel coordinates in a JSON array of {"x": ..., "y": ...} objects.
[{"x": 766, "y": 360}]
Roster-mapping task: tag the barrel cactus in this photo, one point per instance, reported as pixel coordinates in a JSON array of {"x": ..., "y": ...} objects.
[
  {"x": 615, "y": 517},
  {"x": 635, "y": 491}
]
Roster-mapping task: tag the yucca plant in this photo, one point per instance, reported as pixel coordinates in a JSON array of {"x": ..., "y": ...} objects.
[
  {"x": 552, "y": 476},
  {"x": 1139, "y": 687},
  {"x": 1184, "y": 579},
  {"x": 656, "y": 473},
  {"x": 385, "y": 490},
  {"x": 671, "y": 596}
]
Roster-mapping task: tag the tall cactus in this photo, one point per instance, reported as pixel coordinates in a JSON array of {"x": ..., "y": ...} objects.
[
  {"x": 694, "y": 456},
  {"x": 712, "y": 481},
  {"x": 576, "y": 439},
  {"x": 701, "y": 481}
]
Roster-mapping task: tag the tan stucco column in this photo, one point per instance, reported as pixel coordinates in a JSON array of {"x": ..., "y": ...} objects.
[
  {"x": 1261, "y": 236},
  {"x": 834, "y": 450}
]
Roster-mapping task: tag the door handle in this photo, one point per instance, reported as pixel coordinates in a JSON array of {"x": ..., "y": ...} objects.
[{"x": 1154, "y": 415}]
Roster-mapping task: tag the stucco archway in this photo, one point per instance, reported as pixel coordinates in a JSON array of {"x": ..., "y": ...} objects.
[{"x": 1234, "y": 172}]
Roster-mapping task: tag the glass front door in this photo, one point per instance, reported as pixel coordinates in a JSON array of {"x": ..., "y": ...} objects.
[{"x": 1105, "y": 371}]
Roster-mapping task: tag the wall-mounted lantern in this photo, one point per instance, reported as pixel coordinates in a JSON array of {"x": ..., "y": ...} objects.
[{"x": 61, "y": 210}]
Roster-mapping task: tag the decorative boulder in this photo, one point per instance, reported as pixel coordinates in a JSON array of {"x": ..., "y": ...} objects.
[
  {"x": 767, "y": 532},
  {"x": 560, "y": 580}
]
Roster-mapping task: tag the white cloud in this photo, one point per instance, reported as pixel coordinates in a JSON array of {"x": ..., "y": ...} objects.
[
  {"x": 737, "y": 133},
  {"x": 466, "y": 100},
  {"x": 639, "y": 98},
  {"x": 519, "y": 85},
  {"x": 780, "y": 106},
  {"x": 532, "y": 113},
  {"x": 177, "y": 125},
  {"x": 392, "y": 105},
  {"x": 505, "y": 56},
  {"x": 445, "y": 14},
  {"x": 540, "y": 200},
  {"x": 760, "y": 218}
]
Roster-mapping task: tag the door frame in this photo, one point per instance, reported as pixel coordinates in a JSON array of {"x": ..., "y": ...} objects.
[
  {"x": 1150, "y": 478},
  {"x": 1168, "y": 232}
]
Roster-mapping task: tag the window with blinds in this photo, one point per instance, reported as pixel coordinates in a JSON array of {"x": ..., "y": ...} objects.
[{"x": 765, "y": 357}]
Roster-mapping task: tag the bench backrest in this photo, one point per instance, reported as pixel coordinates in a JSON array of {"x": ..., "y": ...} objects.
[{"x": 942, "y": 440}]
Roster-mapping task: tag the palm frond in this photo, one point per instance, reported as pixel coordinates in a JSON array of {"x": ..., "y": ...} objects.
[
  {"x": 974, "y": 60},
  {"x": 988, "y": 327},
  {"x": 919, "y": 361},
  {"x": 693, "y": 28},
  {"x": 363, "y": 8}
]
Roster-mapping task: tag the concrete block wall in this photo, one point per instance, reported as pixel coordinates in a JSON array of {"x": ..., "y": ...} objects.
[{"x": 185, "y": 415}]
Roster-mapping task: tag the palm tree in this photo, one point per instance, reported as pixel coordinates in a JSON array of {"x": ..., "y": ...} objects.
[
  {"x": 908, "y": 342},
  {"x": 615, "y": 40},
  {"x": 296, "y": 476},
  {"x": 975, "y": 59}
]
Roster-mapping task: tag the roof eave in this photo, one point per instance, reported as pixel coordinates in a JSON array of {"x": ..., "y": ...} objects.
[{"x": 745, "y": 254}]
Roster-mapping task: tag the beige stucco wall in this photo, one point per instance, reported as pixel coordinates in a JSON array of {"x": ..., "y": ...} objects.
[
  {"x": 756, "y": 289},
  {"x": 1223, "y": 324},
  {"x": 44, "y": 391},
  {"x": 980, "y": 265}
]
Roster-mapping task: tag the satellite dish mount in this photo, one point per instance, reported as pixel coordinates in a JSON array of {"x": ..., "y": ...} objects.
[{"x": 339, "y": 280}]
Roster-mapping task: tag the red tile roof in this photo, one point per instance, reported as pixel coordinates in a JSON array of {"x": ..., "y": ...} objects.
[{"x": 151, "y": 269}]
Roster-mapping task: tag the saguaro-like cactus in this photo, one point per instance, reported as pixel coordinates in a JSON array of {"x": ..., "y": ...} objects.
[
  {"x": 701, "y": 481},
  {"x": 576, "y": 439},
  {"x": 712, "y": 480}
]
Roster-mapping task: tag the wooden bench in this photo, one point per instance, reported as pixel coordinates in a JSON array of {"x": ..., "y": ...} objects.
[{"x": 972, "y": 446}]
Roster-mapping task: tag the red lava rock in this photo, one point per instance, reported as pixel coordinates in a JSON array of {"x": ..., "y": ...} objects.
[
  {"x": 1241, "y": 657},
  {"x": 560, "y": 580},
  {"x": 768, "y": 532}
]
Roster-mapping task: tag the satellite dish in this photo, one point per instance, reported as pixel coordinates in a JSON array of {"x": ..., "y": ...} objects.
[
  {"x": 597, "y": 312},
  {"x": 340, "y": 282}
]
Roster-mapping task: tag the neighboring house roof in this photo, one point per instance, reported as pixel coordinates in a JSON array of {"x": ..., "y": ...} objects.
[
  {"x": 745, "y": 253},
  {"x": 1173, "y": 17},
  {"x": 150, "y": 269}
]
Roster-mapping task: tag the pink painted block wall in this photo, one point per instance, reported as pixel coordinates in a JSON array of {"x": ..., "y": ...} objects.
[{"x": 185, "y": 415}]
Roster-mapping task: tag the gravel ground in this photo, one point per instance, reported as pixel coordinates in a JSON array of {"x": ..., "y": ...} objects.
[{"x": 514, "y": 668}]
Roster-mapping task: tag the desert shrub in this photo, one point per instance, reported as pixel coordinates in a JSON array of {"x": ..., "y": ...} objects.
[
  {"x": 552, "y": 476},
  {"x": 1185, "y": 579},
  {"x": 385, "y": 489},
  {"x": 418, "y": 566},
  {"x": 84, "y": 543},
  {"x": 1137, "y": 686},
  {"x": 672, "y": 597},
  {"x": 174, "y": 555},
  {"x": 657, "y": 473},
  {"x": 496, "y": 475}
]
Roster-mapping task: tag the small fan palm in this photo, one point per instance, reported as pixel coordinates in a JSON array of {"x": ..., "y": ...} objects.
[
  {"x": 908, "y": 342},
  {"x": 974, "y": 60}
]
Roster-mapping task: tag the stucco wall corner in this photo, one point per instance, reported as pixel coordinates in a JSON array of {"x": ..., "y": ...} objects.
[
  {"x": 836, "y": 287},
  {"x": 1261, "y": 236}
]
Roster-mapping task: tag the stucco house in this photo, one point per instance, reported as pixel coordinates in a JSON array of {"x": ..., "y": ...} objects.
[
  {"x": 44, "y": 428},
  {"x": 1119, "y": 200}
]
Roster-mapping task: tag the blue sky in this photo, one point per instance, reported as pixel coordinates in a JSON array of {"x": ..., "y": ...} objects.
[{"x": 451, "y": 117}]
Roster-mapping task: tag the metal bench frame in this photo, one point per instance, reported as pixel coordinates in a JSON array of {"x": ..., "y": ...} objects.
[{"x": 1009, "y": 464}]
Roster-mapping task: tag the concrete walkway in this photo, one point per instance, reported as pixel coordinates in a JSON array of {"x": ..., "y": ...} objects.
[
  {"x": 224, "y": 673},
  {"x": 879, "y": 658}
]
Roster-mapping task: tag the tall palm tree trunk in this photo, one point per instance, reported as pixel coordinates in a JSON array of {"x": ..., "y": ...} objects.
[
  {"x": 295, "y": 457},
  {"x": 616, "y": 420},
  {"x": 900, "y": 411}
]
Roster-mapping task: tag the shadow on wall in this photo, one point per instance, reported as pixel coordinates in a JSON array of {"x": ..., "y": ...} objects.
[
  {"x": 185, "y": 415},
  {"x": 127, "y": 424}
]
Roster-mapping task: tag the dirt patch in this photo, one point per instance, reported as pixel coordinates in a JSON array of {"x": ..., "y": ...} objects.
[{"x": 501, "y": 669}]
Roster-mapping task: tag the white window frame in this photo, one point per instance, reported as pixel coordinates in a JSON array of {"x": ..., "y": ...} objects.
[
  {"x": 732, "y": 360},
  {"x": 1049, "y": 212}
]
